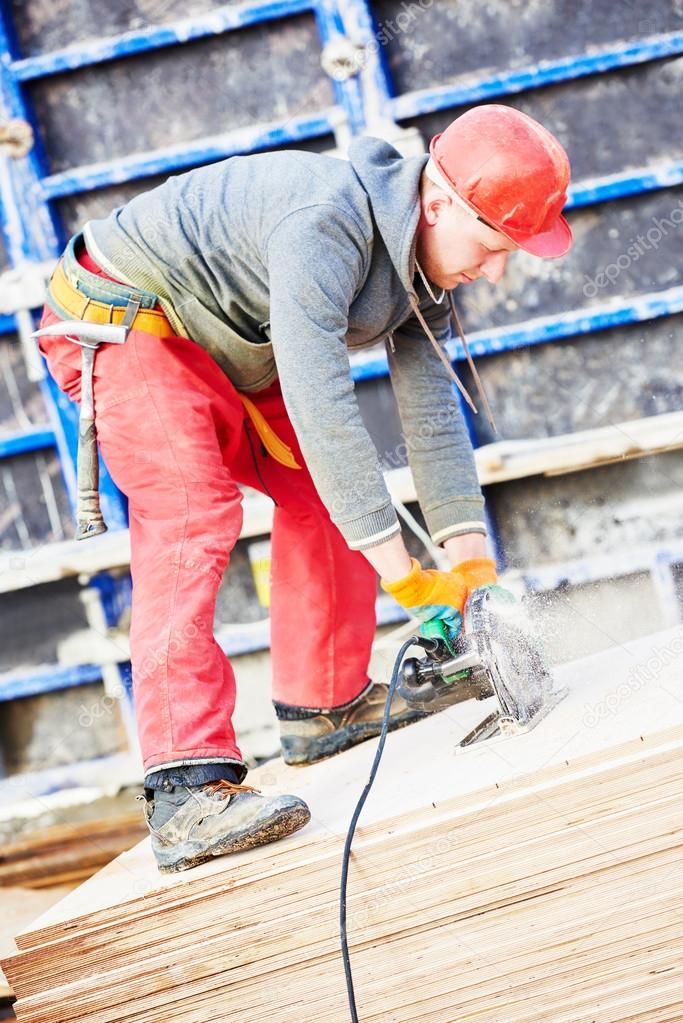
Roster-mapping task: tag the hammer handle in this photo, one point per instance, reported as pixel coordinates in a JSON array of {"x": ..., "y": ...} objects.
[{"x": 89, "y": 520}]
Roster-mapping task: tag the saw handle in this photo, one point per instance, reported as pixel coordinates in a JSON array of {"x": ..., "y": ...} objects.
[{"x": 443, "y": 631}]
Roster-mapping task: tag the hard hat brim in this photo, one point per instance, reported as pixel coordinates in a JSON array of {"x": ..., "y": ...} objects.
[{"x": 550, "y": 244}]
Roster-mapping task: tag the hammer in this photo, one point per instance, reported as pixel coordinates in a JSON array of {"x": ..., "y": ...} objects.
[{"x": 89, "y": 520}]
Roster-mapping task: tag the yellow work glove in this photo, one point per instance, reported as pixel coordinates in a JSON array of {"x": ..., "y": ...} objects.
[
  {"x": 476, "y": 572},
  {"x": 427, "y": 593}
]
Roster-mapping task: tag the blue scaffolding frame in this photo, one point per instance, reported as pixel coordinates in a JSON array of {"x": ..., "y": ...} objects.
[{"x": 33, "y": 234}]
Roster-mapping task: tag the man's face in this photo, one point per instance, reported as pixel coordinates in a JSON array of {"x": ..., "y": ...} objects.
[{"x": 453, "y": 247}]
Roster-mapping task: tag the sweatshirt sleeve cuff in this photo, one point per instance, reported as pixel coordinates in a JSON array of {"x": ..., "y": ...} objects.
[
  {"x": 371, "y": 529},
  {"x": 455, "y": 517}
]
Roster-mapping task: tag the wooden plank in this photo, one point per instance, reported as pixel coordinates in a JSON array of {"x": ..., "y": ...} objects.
[
  {"x": 585, "y": 449},
  {"x": 496, "y": 463},
  {"x": 68, "y": 853}
]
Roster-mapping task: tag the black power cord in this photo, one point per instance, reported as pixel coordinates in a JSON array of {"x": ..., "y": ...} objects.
[{"x": 352, "y": 828}]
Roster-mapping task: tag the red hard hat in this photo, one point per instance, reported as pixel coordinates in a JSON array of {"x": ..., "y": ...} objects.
[{"x": 512, "y": 171}]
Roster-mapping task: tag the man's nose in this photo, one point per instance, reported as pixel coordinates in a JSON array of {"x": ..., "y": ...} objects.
[{"x": 493, "y": 266}]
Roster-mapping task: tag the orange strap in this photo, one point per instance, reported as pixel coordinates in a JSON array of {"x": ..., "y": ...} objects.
[{"x": 280, "y": 451}]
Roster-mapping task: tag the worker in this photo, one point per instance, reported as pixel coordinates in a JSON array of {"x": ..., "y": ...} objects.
[{"x": 245, "y": 285}]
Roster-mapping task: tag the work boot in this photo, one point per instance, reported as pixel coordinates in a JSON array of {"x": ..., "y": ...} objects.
[
  {"x": 192, "y": 823},
  {"x": 310, "y": 735}
]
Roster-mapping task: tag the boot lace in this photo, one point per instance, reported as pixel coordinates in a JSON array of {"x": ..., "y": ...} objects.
[{"x": 223, "y": 786}]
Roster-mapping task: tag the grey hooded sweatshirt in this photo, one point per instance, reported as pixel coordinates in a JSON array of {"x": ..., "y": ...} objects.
[{"x": 279, "y": 264}]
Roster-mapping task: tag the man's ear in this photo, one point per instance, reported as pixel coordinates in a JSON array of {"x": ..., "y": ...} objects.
[{"x": 434, "y": 204}]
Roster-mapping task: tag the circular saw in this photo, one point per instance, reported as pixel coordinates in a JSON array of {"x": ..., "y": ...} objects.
[{"x": 490, "y": 651}]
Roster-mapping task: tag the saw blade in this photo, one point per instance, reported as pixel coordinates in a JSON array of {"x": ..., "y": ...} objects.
[{"x": 502, "y": 633}]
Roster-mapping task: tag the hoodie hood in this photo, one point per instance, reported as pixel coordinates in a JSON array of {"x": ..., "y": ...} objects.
[{"x": 392, "y": 183}]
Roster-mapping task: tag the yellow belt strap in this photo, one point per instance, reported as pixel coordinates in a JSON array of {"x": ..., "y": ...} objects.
[
  {"x": 280, "y": 451},
  {"x": 80, "y": 307}
]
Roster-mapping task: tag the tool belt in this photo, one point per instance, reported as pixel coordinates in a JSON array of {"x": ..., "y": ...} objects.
[
  {"x": 79, "y": 307},
  {"x": 154, "y": 321}
]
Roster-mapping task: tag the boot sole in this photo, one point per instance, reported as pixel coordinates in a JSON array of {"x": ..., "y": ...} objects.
[
  {"x": 191, "y": 854},
  {"x": 299, "y": 752}
]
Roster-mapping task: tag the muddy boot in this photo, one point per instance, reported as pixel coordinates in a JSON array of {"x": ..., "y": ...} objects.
[
  {"x": 310, "y": 735},
  {"x": 192, "y": 823}
]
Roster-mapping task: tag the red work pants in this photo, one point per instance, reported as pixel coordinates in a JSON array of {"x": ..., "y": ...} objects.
[{"x": 173, "y": 435}]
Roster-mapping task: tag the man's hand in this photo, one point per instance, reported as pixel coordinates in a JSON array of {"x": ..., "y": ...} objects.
[{"x": 428, "y": 594}]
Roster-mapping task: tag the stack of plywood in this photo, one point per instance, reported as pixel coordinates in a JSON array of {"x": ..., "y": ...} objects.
[
  {"x": 18, "y": 907},
  {"x": 534, "y": 878}
]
